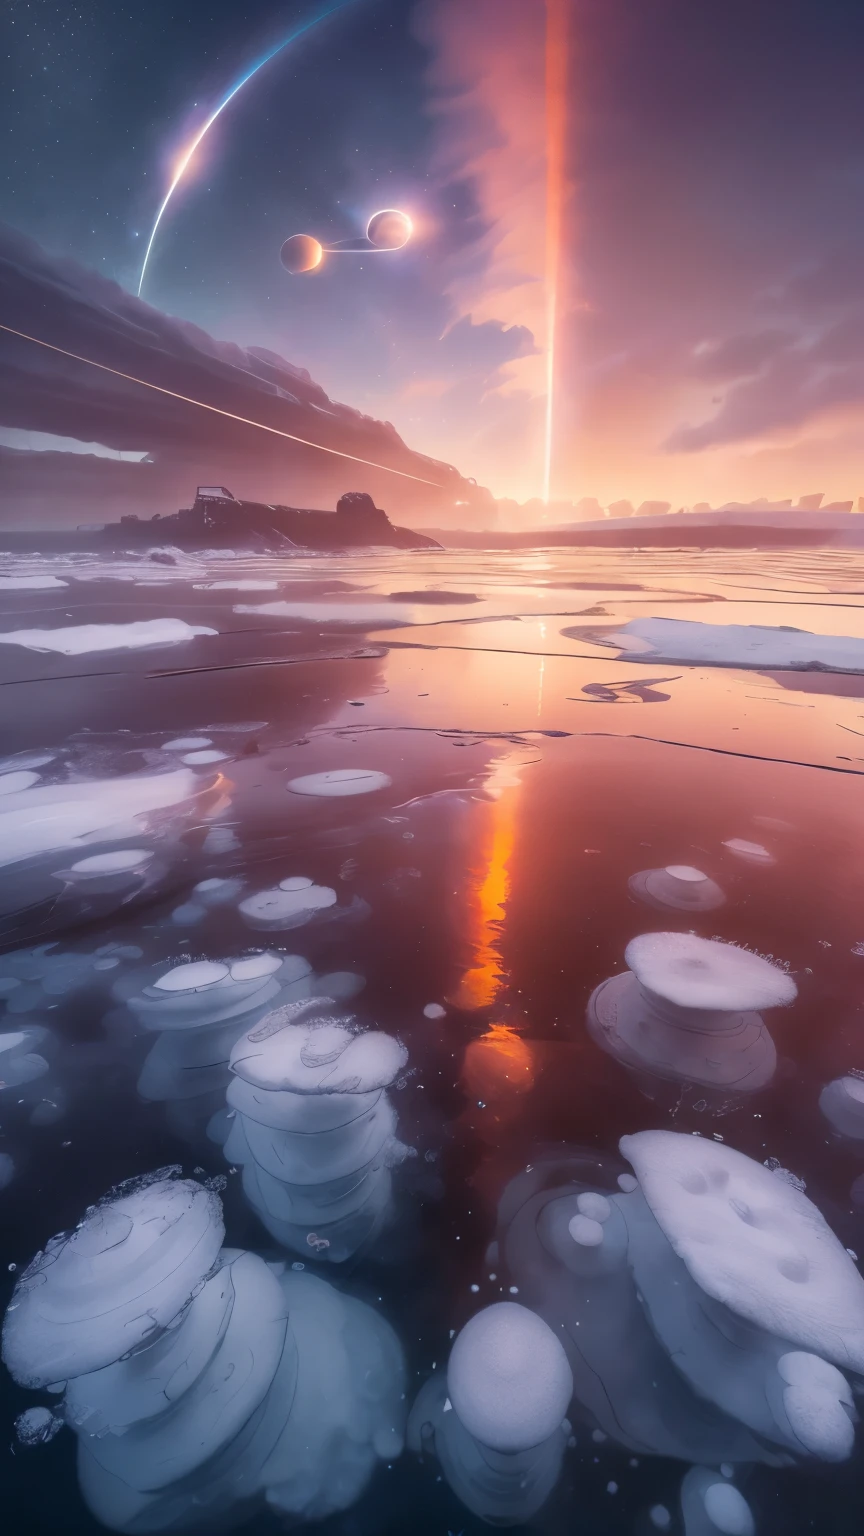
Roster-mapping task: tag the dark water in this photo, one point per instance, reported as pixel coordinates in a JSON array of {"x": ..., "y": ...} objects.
[{"x": 528, "y": 773}]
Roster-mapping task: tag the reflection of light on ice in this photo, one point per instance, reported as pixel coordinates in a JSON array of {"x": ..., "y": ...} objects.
[{"x": 489, "y": 890}]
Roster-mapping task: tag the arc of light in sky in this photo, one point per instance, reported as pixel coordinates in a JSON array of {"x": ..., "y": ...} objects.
[
  {"x": 556, "y": 127},
  {"x": 186, "y": 155},
  {"x": 292, "y": 437}
]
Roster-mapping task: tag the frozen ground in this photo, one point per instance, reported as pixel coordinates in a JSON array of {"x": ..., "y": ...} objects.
[{"x": 309, "y": 870}]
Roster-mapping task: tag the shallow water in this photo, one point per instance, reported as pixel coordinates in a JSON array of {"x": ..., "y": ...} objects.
[{"x": 525, "y": 783}]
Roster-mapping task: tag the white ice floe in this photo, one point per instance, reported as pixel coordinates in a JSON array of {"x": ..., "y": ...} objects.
[
  {"x": 686, "y": 1010},
  {"x": 736, "y": 645},
  {"x": 186, "y": 743},
  {"x": 291, "y": 904},
  {"x": 842, "y": 1104},
  {"x": 30, "y": 583},
  {"x": 362, "y": 614},
  {"x": 88, "y": 639},
  {"x": 118, "y": 862},
  {"x": 201, "y": 1382},
  {"x": 13, "y": 783},
  {"x": 338, "y": 782},
  {"x": 497, "y": 1423},
  {"x": 313, "y": 1128}
]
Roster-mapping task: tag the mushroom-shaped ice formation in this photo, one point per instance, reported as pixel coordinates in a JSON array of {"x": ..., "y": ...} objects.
[
  {"x": 842, "y": 1104},
  {"x": 200, "y": 1008},
  {"x": 751, "y": 853},
  {"x": 747, "y": 1288},
  {"x": 677, "y": 888},
  {"x": 201, "y": 1382},
  {"x": 497, "y": 1424},
  {"x": 291, "y": 904},
  {"x": 564, "y": 1244},
  {"x": 685, "y": 1011},
  {"x": 313, "y": 1127},
  {"x": 712, "y": 1506},
  {"x": 113, "y": 1283}
]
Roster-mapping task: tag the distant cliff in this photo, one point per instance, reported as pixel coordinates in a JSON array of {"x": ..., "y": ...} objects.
[{"x": 41, "y": 391}]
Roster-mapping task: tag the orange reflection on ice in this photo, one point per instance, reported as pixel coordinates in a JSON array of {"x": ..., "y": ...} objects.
[
  {"x": 498, "y": 1065},
  {"x": 489, "y": 888}
]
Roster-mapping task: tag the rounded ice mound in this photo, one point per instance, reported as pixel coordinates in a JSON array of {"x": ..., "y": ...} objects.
[
  {"x": 303, "y": 1048},
  {"x": 291, "y": 904},
  {"x": 842, "y": 1104},
  {"x": 753, "y": 1242},
  {"x": 338, "y": 782},
  {"x": 508, "y": 1378},
  {"x": 703, "y": 973},
  {"x": 677, "y": 888},
  {"x": 102, "y": 1290}
]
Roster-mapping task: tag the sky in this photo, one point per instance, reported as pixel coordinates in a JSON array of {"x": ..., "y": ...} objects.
[{"x": 710, "y": 317}]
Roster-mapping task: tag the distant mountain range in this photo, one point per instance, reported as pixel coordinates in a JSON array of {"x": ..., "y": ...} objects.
[{"x": 60, "y": 302}]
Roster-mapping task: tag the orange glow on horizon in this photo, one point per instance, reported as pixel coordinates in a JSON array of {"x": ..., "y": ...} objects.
[{"x": 556, "y": 135}]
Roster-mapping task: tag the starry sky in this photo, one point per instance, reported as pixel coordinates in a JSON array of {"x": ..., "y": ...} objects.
[{"x": 711, "y": 307}]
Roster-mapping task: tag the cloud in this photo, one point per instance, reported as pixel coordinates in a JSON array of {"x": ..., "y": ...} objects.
[{"x": 84, "y": 313}]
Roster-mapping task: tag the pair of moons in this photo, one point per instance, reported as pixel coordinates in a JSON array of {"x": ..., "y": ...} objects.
[{"x": 387, "y": 230}]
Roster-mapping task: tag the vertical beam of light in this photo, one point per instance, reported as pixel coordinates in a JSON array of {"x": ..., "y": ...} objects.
[
  {"x": 556, "y": 132},
  {"x": 186, "y": 155}
]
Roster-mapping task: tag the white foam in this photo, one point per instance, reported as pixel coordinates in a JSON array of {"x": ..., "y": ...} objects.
[
  {"x": 87, "y": 639},
  {"x": 508, "y": 1378}
]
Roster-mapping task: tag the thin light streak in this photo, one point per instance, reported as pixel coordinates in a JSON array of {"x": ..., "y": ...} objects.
[
  {"x": 186, "y": 156},
  {"x": 556, "y": 128},
  {"x": 338, "y": 453}
]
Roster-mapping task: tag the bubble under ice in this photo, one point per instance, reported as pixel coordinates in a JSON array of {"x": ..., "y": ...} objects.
[
  {"x": 497, "y": 1423},
  {"x": 201, "y": 1381},
  {"x": 713, "y": 1320},
  {"x": 313, "y": 1127},
  {"x": 712, "y": 1507},
  {"x": 686, "y": 1012},
  {"x": 842, "y": 1104}
]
